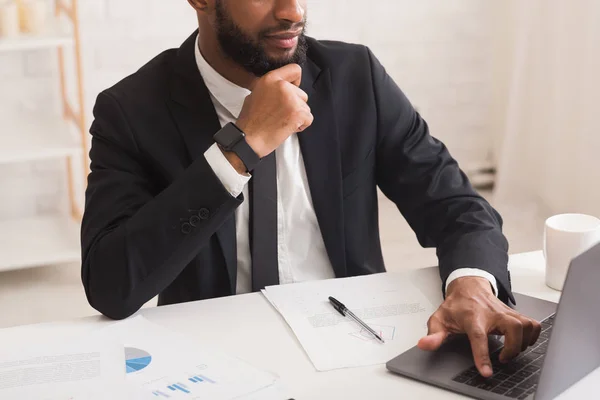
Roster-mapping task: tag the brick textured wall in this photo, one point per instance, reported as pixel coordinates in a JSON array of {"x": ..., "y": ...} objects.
[{"x": 436, "y": 50}]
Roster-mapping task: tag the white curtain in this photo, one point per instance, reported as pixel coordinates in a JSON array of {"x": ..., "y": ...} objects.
[{"x": 548, "y": 144}]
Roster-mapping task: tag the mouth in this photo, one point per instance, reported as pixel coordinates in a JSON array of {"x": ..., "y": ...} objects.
[{"x": 284, "y": 40}]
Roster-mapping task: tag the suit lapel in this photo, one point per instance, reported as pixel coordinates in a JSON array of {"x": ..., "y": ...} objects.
[
  {"x": 197, "y": 120},
  {"x": 321, "y": 152}
]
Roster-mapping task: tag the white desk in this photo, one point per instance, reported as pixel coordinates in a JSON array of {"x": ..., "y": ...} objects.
[{"x": 248, "y": 327}]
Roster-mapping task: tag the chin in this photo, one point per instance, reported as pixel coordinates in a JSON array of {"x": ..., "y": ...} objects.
[{"x": 281, "y": 55}]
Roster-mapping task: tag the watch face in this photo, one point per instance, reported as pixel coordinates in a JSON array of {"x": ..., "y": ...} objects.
[{"x": 229, "y": 136}]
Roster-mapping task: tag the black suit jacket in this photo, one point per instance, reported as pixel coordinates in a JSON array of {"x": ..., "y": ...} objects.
[{"x": 158, "y": 221}]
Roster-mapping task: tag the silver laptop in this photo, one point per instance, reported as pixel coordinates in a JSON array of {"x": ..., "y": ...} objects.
[{"x": 568, "y": 348}]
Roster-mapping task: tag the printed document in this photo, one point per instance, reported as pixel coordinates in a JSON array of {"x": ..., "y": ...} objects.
[
  {"x": 391, "y": 304},
  {"x": 80, "y": 370},
  {"x": 164, "y": 364}
]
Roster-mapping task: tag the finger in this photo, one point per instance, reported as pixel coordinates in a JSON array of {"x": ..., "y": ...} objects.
[
  {"x": 301, "y": 93},
  {"x": 432, "y": 341},
  {"x": 481, "y": 352},
  {"x": 531, "y": 330},
  {"x": 512, "y": 329},
  {"x": 304, "y": 107},
  {"x": 308, "y": 120},
  {"x": 527, "y": 332},
  {"x": 436, "y": 334},
  {"x": 291, "y": 73},
  {"x": 537, "y": 330}
]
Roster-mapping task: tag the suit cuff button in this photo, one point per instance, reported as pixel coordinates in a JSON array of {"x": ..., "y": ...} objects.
[
  {"x": 194, "y": 220},
  {"x": 186, "y": 228},
  {"x": 204, "y": 213}
]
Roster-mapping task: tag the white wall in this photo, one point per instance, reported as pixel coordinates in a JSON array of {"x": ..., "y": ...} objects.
[
  {"x": 438, "y": 51},
  {"x": 548, "y": 152}
]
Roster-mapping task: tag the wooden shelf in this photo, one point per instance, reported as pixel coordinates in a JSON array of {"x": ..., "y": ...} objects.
[
  {"x": 54, "y": 35},
  {"x": 36, "y": 138},
  {"x": 38, "y": 241},
  {"x": 24, "y": 137}
]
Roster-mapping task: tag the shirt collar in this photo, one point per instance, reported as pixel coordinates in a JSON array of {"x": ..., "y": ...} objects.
[{"x": 228, "y": 94}]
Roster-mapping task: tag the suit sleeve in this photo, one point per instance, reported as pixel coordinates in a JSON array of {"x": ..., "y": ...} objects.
[
  {"x": 135, "y": 238},
  {"x": 417, "y": 172}
]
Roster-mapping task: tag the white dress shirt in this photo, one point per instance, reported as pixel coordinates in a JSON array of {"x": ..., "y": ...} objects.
[{"x": 301, "y": 251}]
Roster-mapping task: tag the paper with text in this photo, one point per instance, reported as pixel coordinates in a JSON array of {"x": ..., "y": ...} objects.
[
  {"x": 391, "y": 304},
  {"x": 164, "y": 364},
  {"x": 80, "y": 370}
]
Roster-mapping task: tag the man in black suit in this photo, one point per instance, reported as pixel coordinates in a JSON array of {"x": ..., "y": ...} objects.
[{"x": 251, "y": 155}]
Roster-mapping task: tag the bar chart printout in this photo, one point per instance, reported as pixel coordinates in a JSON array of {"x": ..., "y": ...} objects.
[
  {"x": 166, "y": 365},
  {"x": 195, "y": 385},
  {"x": 200, "y": 378}
]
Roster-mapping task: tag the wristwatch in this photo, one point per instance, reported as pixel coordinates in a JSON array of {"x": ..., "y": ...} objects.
[{"x": 231, "y": 138}]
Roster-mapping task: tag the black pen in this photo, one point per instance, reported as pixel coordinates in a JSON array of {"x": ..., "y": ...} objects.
[{"x": 342, "y": 309}]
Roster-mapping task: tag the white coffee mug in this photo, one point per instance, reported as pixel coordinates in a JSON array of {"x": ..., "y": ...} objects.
[{"x": 565, "y": 237}]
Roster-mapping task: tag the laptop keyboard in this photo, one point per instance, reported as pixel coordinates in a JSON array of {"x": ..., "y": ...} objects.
[{"x": 518, "y": 379}]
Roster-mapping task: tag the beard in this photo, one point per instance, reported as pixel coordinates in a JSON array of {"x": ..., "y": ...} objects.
[{"x": 251, "y": 54}]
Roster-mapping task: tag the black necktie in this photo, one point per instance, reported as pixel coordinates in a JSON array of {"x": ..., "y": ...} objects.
[{"x": 263, "y": 224}]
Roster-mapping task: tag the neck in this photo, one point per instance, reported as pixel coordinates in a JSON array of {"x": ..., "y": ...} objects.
[{"x": 212, "y": 53}]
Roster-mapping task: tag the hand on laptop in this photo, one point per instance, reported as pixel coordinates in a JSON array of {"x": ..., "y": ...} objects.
[{"x": 472, "y": 308}]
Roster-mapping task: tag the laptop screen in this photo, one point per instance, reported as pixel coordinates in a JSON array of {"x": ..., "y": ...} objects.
[{"x": 574, "y": 348}]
